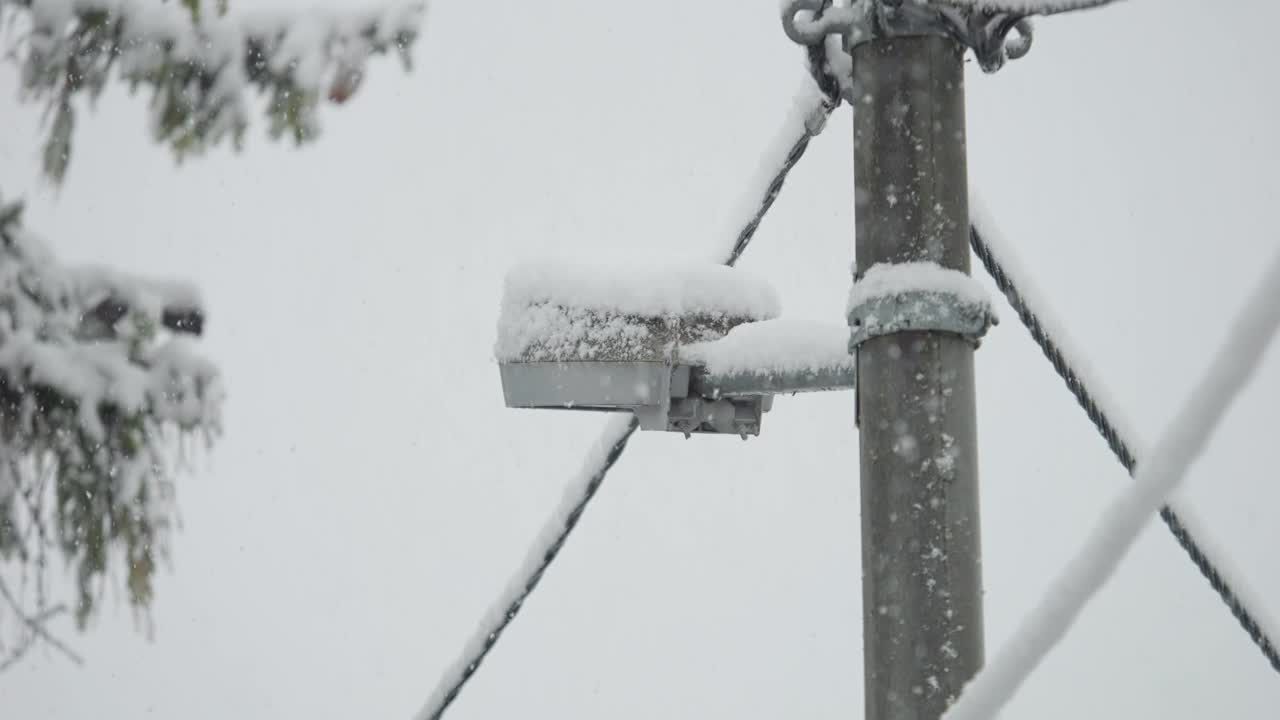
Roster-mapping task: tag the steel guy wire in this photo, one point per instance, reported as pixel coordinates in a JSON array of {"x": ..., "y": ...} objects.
[
  {"x": 1029, "y": 7},
  {"x": 830, "y": 101},
  {"x": 441, "y": 701},
  {"x": 1119, "y": 447},
  {"x": 1199, "y": 557},
  {"x": 436, "y": 707}
]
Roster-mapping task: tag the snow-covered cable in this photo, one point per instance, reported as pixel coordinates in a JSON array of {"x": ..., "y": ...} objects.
[
  {"x": 999, "y": 259},
  {"x": 1182, "y": 443},
  {"x": 542, "y": 553},
  {"x": 805, "y": 121},
  {"x": 1030, "y": 7},
  {"x": 812, "y": 106}
]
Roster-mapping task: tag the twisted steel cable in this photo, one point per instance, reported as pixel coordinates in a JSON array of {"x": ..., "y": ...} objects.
[
  {"x": 1029, "y": 7},
  {"x": 1119, "y": 447},
  {"x": 440, "y": 702}
]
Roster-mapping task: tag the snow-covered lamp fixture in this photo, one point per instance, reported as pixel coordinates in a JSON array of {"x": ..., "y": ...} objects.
[{"x": 689, "y": 349}]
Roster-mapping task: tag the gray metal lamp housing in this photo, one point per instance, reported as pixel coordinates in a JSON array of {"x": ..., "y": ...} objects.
[
  {"x": 608, "y": 338},
  {"x": 685, "y": 349}
]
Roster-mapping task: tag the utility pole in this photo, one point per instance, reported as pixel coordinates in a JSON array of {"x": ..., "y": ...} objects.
[
  {"x": 914, "y": 327},
  {"x": 915, "y": 318},
  {"x": 921, "y": 551}
]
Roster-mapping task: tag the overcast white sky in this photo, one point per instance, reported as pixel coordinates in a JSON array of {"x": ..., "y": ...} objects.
[{"x": 371, "y": 493}]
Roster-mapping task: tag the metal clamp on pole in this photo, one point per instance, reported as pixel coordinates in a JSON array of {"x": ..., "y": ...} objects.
[
  {"x": 919, "y": 297},
  {"x": 986, "y": 32}
]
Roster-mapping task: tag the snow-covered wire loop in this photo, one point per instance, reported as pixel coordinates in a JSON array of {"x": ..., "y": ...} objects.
[
  {"x": 806, "y": 22},
  {"x": 1119, "y": 447},
  {"x": 994, "y": 37},
  {"x": 818, "y": 68},
  {"x": 1018, "y": 47}
]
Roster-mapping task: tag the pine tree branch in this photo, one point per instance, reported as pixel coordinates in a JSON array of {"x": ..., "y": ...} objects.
[
  {"x": 91, "y": 389},
  {"x": 199, "y": 68}
]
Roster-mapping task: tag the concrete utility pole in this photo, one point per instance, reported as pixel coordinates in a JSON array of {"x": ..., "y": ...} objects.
[{"x": 921, "y": 553}]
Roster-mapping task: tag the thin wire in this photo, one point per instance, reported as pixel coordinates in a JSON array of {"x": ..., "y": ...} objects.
[
  {"x": 1233, "y": 363},
  {"x": 1117, "y": 444},
  {"x": 830, "y": 101},
  {"x": 830, "y": 88},
  {"x": 775, "y": 187},
  {"x": 548, "y": 556}
]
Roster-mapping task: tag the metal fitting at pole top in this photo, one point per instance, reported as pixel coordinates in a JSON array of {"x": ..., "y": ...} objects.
[{"x": 989, "y": 33}]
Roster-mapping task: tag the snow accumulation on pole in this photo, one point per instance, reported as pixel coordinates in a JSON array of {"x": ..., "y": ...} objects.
[
  {"x": 1157, "y": 476},
  {"x": 888, "y": 279}
]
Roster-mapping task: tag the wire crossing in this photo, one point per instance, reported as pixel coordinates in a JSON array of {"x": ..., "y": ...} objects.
[
  {"x": 1119, "y": 447},
  {"x": 615, "y": 440},
  {"x": 1185, "y": 438}
]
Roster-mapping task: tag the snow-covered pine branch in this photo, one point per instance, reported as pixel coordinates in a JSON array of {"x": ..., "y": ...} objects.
[
  {"x": 99, "y": 384},
  {"x": 199, "y": 66}
]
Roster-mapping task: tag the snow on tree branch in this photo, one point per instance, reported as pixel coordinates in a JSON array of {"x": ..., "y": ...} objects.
[
  {"x": 98, "y": 381},
  {"x": 198, "y": 66}
]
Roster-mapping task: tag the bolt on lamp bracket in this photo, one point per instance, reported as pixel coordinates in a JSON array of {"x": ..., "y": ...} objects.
[{"x": 986, "y": 32}]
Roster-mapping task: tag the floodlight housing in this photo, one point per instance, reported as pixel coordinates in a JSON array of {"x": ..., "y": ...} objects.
[{"x": 685, "y": 350}]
